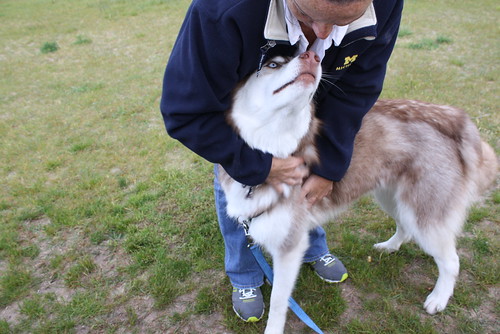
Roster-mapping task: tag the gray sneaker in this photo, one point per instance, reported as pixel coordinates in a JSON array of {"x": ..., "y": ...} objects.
[
  {"x": 330, "y": 269},
  {"x": 248, "y": 304}
]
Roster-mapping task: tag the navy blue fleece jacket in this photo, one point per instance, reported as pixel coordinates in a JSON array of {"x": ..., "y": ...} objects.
[{"x": 219, "y": 44}]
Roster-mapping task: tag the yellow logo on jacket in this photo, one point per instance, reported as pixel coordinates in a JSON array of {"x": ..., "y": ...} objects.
[{"x": 347, "y": 62}]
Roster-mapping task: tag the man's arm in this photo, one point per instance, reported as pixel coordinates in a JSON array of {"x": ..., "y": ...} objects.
[
  {"x": 343, "y": 107},
  {"x": 202, "y": 71}
]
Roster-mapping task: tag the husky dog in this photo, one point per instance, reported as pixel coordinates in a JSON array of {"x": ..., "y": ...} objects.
[{"x": 424, "y": 163}]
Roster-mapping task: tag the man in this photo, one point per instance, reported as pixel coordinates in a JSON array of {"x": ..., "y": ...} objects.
[{"x": 219, "y": 44}]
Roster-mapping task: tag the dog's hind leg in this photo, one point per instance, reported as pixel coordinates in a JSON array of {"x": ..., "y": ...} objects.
[
  {"x": 437, "y": 237},
  {"x": 440, "y": 244},
  {"x": 286, "y": 266},
  {"x": 404, "y": 219}
]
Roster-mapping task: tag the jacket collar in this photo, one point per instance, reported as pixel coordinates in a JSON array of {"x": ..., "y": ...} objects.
[{"x": 275, "y": 28}]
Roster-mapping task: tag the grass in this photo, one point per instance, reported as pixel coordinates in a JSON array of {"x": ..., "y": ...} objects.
[
  {"x": 429, "y": 44},
  {"x": 107, "y": 225},
  {"x": 49, "y": 47}
]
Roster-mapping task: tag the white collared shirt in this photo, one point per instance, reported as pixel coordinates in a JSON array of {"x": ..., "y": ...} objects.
[{"x": 295, "y": 35}]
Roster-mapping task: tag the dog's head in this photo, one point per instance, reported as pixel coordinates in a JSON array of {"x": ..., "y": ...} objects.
[
  {"x": 272, "y": 109},
  {"x": 282, "y": 82}
]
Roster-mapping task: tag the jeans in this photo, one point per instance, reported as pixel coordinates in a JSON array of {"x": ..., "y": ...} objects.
[{"x": 240, "y": 265}]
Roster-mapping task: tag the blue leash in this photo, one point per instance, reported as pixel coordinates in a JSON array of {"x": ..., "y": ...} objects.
[{"x": 294, "y": 306}]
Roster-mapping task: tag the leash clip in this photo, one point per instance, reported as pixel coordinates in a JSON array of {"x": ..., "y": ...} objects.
[{"x": 245, "y": 223}]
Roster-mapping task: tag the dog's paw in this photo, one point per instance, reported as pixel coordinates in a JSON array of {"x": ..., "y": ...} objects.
[
  {"x": 435, "y": 303},
  {"x": 386, "y": 247}
]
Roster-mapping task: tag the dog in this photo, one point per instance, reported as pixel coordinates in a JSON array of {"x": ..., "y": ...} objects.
[{"x": 424, "y": 163}]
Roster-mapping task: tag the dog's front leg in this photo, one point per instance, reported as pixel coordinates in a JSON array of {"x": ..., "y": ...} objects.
[{"x": 286, "y": 266}]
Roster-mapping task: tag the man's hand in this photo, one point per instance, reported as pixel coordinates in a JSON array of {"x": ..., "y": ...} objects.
[
  {"x": 290, "y": 171},
  {"x": 315, "y": 189}
]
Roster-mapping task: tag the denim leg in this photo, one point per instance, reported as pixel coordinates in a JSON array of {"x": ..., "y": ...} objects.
[
  {"x": 241, "y": 267},
  {"x": 317, "y": 245}
]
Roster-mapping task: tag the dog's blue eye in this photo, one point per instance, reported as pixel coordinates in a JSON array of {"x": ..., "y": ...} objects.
[{"x": 272, "y": 65}]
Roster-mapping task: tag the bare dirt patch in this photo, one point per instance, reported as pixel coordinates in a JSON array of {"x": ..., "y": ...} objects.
[
  {"x": 353, "y": 301},
  {"x": 70, "y": 245},
  {"x": 11, "y": 313},
  {"x": 485, "y": 313}
]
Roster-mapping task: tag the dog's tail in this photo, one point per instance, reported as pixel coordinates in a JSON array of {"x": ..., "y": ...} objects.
[{"x": 488, "y": 167}]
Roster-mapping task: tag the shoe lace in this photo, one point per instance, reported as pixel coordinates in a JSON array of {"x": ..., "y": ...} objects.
[
  {"x": 327, "y": 259},
  {"x": 247, "y": 293}
]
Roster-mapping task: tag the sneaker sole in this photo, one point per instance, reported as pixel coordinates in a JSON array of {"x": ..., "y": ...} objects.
[
  {"x": 251, "y": 319},
  {"x": 343, "y": 278}
]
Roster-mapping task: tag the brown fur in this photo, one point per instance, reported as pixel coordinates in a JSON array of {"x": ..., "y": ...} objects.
[{"x": 403, "y": 162}]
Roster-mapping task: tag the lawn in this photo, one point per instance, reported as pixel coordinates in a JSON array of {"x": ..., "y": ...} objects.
[{"x": 107, "y": 225}]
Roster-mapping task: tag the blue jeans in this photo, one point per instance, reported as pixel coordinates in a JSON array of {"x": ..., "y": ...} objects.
[{"x": 241, "y": 267}]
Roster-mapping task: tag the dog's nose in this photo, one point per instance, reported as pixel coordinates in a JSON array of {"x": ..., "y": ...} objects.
[{"x": 310, "y": 55}]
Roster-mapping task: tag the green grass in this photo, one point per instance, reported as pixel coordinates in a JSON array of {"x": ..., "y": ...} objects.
[
  {"x": 84, "y": 266},
  {"x": 107, "y": 225},
  {"x": 49, "y": 47},
  {"x": 80, "y": 40},
  {"x": 14, "y": 283}
]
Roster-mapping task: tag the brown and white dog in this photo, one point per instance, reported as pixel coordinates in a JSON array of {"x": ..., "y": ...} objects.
[{"x": 424, "y": 163}]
